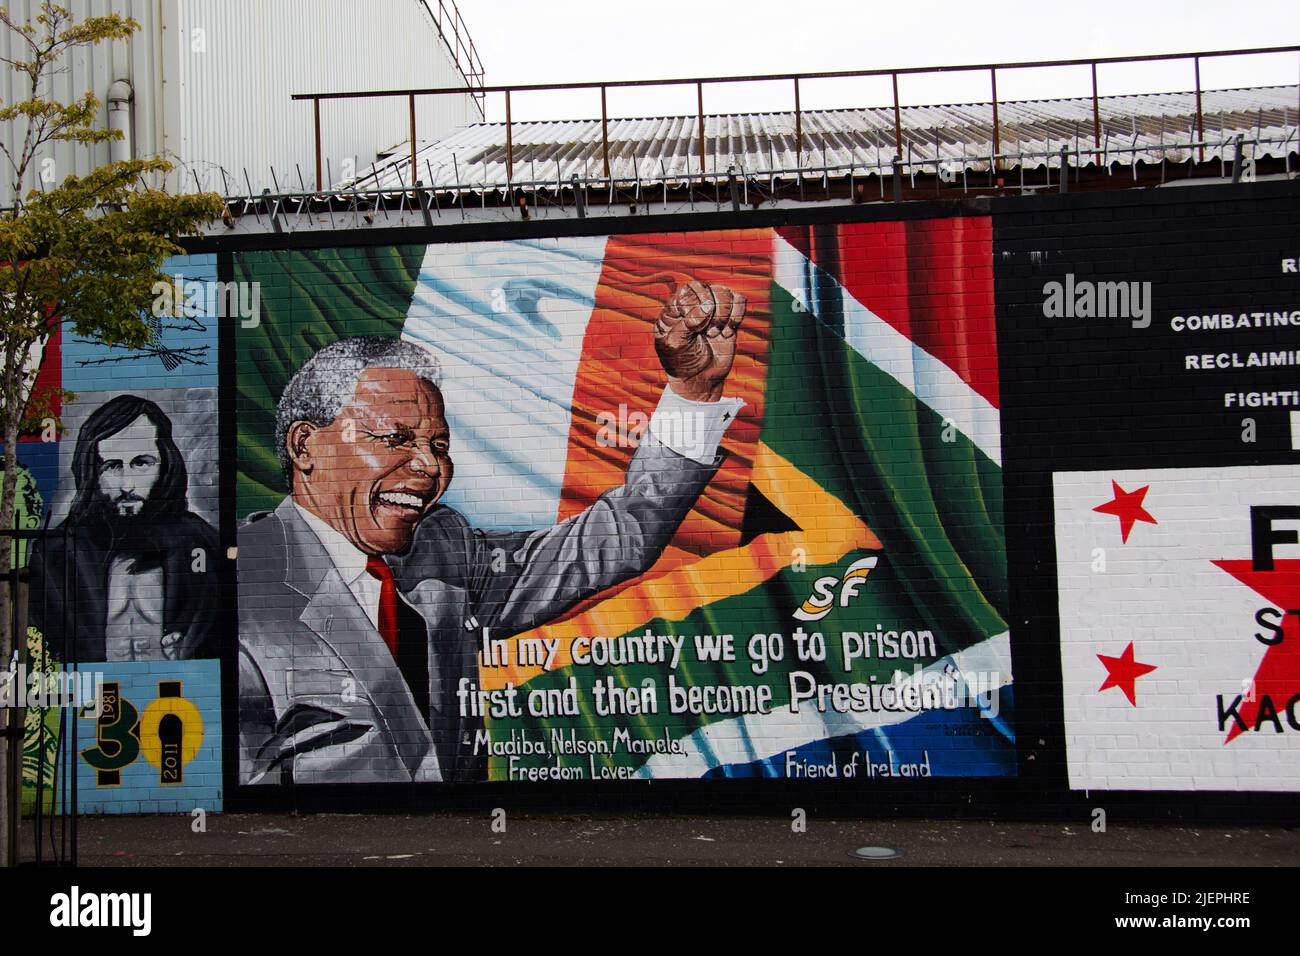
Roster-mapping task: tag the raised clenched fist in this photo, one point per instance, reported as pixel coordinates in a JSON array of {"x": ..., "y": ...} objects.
[{"x": 695, "y": 338}]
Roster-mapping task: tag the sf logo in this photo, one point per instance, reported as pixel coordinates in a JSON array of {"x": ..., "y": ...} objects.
[{"x": 822, "y": 600}]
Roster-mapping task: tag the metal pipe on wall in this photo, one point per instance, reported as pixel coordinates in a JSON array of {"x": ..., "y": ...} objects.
[{"x": 120, "y": 96}]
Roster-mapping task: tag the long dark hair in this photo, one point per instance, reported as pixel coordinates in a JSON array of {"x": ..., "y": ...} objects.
[{"x": 168, "y": 496}]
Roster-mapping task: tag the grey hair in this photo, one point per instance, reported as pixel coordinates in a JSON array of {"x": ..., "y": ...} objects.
[{"x": 328, "y": 380}]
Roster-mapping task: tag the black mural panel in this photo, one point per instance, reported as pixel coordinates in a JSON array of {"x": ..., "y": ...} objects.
[{"x": 1149, "y": 350}]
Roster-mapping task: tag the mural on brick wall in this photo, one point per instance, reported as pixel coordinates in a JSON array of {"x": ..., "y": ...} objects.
[
  {"x": 37, "y": 470},
  {"x": 142, "y": 584},
  {"x": 1180, "y": 661},
  {"x": 130, "y": 570},
  {"x": 122, "y": 465},
  {"x": 718, "y": 504},
  {"x": 153, "y": 743},
  {"x": 1152, "y": 403}
]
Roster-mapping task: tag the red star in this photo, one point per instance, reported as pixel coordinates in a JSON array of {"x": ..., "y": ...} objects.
[
  {"x": 1278, "y": 676},
  {"x": 1123, "y": 672},
  {"x": 1127, "y": 507}
]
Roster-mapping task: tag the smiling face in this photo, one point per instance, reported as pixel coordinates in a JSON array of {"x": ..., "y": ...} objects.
[
  {"x": 380, "y": 466},
  {"x": 129, "y": 465}
]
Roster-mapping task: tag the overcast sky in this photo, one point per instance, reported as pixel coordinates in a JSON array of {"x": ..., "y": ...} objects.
[{"x": 541, "y": 41}]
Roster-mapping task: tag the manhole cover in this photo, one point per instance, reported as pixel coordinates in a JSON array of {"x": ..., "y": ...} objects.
[{"x": 875, "y": 853}]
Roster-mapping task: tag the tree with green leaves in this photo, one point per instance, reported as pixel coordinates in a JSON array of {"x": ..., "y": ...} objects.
[{"x": 83, "y": 256}]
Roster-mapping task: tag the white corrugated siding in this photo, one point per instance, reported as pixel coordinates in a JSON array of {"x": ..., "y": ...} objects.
[
  {"x": 95, "y": 69},
  {"x": 234, "y": 99},
  {"x": 219, "y": 99}
]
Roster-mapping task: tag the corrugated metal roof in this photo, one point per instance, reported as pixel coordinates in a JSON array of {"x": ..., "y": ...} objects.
[{"x": 1138, "y": 127}]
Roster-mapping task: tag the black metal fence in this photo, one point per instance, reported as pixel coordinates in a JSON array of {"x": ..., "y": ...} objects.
[{"x": 40, "y": 733}]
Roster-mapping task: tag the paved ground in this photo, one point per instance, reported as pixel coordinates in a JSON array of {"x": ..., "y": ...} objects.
[{"x": 535, "y": 838}]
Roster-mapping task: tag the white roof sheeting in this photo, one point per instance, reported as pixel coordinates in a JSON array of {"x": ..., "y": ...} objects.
[{"x": 656, "y": 149}]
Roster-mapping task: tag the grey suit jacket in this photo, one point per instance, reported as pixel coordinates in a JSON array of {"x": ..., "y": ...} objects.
[{"x": 321, "y": 699}]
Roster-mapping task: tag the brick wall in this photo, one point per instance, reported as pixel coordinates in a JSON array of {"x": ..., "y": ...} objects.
[{"x": 967, "y": 526}]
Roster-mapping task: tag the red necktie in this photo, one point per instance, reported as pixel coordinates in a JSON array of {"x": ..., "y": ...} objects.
[{"x": 377, "y": 569}]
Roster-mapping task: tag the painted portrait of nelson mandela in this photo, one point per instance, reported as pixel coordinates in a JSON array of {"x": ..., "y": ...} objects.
[{"x": 363, "y": 598}]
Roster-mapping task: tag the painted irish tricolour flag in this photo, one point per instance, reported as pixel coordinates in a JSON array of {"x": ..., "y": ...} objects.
[{"x": 1180, "y": 627}]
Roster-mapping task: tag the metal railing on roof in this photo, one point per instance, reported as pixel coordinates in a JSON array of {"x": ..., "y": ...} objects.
[
  {"x": 431, "y": 201},
  {"x": 410, "y": 203},
  {"x": 701, "y": 82},
  {"x": 459, "y": 43}
]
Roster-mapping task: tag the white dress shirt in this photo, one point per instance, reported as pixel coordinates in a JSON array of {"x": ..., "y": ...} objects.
[
  {"x": 692, "y": 429},
  {"x": 350, "y": 562}
]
